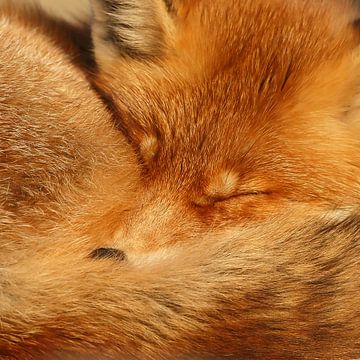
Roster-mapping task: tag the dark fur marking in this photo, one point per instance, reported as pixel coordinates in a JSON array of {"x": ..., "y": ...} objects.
[
  {"x": 113, "y": 32},
  {"x": 287, "y": 76},
  {"x": 123, "y": 45},
  {"x": 169, "y": 6},
  {"x": 108, "y": 253},
  {"x": 356, "y": 23}
]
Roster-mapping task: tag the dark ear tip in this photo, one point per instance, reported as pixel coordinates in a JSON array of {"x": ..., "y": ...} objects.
[
  {"x": 132, "y": 28},
  {"x": 108, "y": 253}
]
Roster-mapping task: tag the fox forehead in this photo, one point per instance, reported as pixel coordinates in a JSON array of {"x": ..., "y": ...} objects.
[{"x": 243, "y": 73}]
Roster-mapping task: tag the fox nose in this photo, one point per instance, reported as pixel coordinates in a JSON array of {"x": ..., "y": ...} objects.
[{"x": 108, "y": 253}]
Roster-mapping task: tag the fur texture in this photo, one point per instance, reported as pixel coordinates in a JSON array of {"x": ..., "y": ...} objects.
[
  {"x": 228, "y": 227},
  {"x": 260, "y": 114},
  {"x": 69, "y": 10}
]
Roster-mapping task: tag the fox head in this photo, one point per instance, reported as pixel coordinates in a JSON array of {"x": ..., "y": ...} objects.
[{"x": 233, "y": 107}]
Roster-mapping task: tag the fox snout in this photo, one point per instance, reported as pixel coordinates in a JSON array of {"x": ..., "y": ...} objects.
[{"x": 155, "y": 222}]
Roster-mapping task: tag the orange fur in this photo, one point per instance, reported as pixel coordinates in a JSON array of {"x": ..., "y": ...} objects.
[
  {"x": 268, "y": 97},
  {"x": 236, "y": 204}
]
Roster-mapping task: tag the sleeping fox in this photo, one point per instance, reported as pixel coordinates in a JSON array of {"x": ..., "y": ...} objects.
[{"x": 192, "y": 192}]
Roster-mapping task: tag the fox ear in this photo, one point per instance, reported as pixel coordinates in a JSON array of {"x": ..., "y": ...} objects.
[{"x": 139, "y": 29}]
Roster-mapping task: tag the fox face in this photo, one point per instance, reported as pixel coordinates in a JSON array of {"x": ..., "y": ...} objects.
[{"x": 233, "y": 107}]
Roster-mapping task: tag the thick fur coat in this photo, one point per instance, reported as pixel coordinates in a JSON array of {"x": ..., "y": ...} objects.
[{"x": 191, "y": 194}]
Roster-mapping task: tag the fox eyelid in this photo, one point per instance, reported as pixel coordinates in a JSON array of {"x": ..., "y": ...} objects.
[
  {"x": 241, "y": 194},
  {"x": 213, "y": 200}
]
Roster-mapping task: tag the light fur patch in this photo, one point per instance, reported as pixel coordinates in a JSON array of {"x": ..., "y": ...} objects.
[
  {"x": 339, "y": 214},
  {"x": 69, "y": 10},
  {"x": 223, "y": 184},
  {"x": 141, "y": 260},
  {"x": 149, "y": 147}
]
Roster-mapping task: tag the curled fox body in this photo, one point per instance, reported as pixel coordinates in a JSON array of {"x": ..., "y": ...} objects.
[{"x": 194, "y": 195}]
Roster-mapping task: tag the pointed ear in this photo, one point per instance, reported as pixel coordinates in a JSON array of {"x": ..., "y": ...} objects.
[{"x": 139, "y": 29}]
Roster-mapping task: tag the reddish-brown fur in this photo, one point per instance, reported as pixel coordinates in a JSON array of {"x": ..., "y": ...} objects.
[
  {"x": 236, "y": 203},
  {"x": 261, "y": 97}
]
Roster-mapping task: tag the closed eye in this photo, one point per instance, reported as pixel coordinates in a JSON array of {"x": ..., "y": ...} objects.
[
  {"x": 216, "y": 199},
  {"x": 213, "y": 200}
]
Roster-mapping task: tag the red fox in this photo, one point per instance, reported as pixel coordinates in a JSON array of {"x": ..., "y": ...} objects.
[{"x": 193, "y": 193}]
